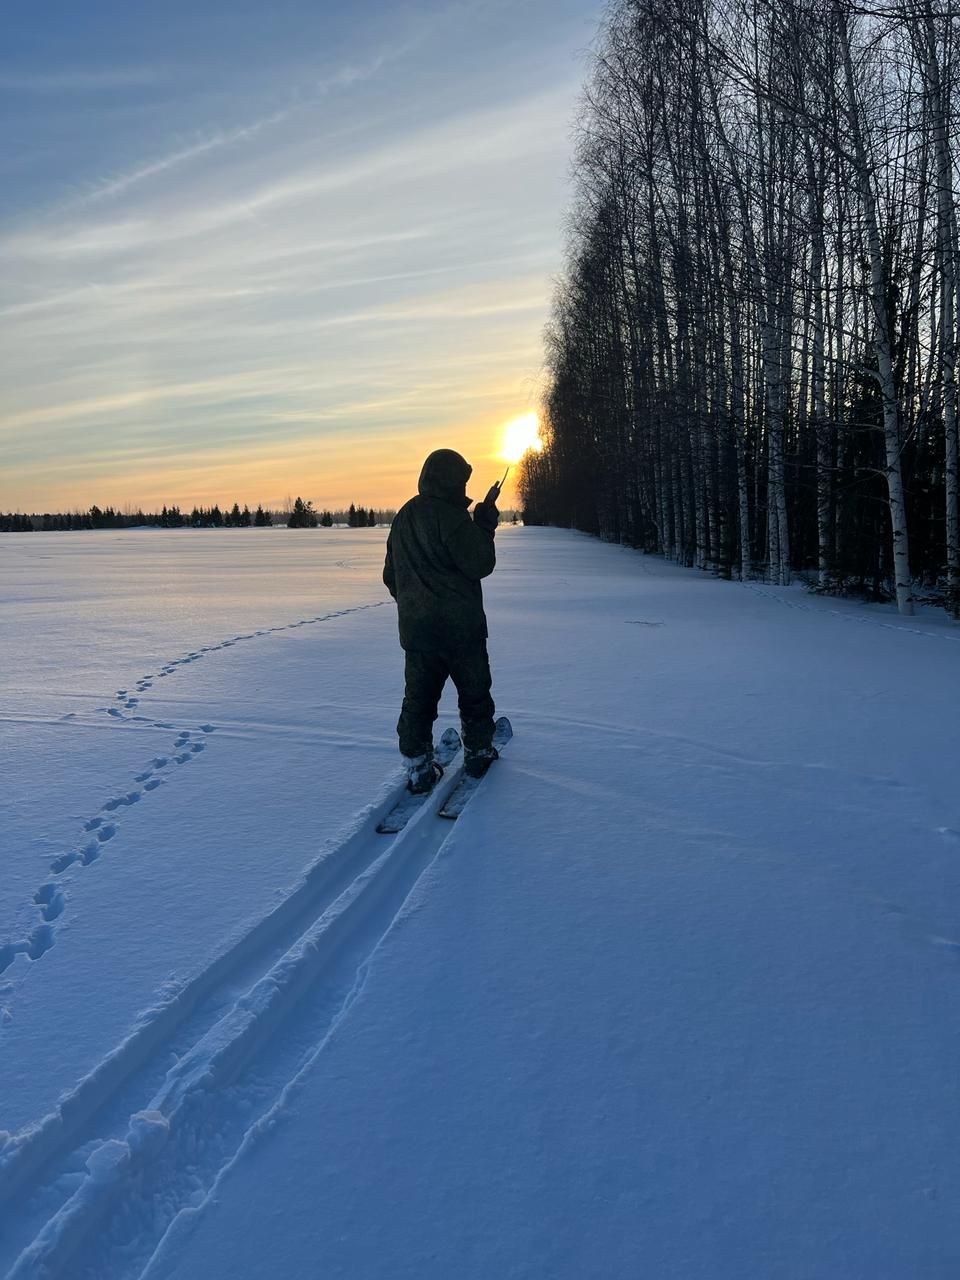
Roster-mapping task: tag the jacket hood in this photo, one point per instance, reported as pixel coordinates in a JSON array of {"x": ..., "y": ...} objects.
[{"x": 445, "y": 474}]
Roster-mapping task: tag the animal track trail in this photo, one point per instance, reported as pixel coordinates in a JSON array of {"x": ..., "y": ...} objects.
[
  {"x": 50, "y": 899},
  {"x": 770, "y": 593},
  {"x": 173, "y": 665}
]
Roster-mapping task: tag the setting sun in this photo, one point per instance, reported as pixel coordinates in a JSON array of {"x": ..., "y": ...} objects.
[{"x": 519, "y": 436}]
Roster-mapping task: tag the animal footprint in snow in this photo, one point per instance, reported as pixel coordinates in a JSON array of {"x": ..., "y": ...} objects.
[
  {"x": 51, "y": 901},
  {"x": 40, "y": 941},
  {"x": 153, "y": 784},
  {"x": 90, "y": 853},
  {"x": 198, "y": 746},
  {"x": 117, "y": 801}
]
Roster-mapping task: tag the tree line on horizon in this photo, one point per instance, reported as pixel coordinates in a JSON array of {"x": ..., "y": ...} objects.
[
  {"x": 301, "y": 515},
  {"x": 753, "y": 348}
]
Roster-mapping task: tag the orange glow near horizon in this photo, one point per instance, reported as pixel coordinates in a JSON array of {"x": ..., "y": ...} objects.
[{"x": 378, "y": 469}]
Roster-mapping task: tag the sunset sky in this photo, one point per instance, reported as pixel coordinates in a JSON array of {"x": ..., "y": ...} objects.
[{"x": 253, "y": 250}]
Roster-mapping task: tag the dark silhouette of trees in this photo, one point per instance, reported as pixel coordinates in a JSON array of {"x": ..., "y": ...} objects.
[
  {"x": 302, "y": 516},
  {"x": 752, "y": 354}
]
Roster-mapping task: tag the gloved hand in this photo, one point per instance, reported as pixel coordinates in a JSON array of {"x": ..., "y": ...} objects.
[{"x": 485, "y": 513}]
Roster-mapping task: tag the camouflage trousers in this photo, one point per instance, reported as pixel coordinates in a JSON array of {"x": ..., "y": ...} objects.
[{"x": 426, "y": 674}]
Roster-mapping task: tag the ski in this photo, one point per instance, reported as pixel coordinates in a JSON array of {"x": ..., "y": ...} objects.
[
  {"x": 409, "y": 804},
  {"x": 455, "y": 802}
]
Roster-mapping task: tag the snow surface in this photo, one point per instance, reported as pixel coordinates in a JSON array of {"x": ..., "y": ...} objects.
[{"x": 676, "y": 996}]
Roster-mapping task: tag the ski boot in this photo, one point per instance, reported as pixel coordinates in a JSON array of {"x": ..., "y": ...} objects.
[
  {"x": 477, "y": 761},
  {"x": 423, "y": 773}
]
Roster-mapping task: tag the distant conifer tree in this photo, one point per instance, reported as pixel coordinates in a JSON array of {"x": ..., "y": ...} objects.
[{"x": 302, "y": 516}]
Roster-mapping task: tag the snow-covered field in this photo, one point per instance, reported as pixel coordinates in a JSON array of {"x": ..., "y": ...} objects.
[{"x": 678, "y": 996}]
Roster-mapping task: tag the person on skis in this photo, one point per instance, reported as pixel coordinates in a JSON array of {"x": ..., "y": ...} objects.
[{"x": 436, "y": 558}]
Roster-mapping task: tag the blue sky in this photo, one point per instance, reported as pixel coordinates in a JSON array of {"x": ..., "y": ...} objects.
[{"x": 249, "y": 250}]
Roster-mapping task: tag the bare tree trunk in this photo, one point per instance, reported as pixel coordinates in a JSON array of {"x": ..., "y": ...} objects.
[
  {"x": 939, "y": 106},
  {"x": 882, "y": 338}
]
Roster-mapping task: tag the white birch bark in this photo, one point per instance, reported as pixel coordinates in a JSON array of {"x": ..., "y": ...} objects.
[{"x": 865, "y": 180}]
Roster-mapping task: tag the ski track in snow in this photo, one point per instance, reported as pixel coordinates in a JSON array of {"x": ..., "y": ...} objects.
[
  {"x": 96, "y": 1186},
  {"x": 101, "y": 828}
]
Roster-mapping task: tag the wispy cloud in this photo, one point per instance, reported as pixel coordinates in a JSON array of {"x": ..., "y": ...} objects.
[
  {"x": 367, "y": 259},
  {"x": 341, "y": 78},
  {"x": 123, "y": 182},
  {"x": 507, "y": 132}
]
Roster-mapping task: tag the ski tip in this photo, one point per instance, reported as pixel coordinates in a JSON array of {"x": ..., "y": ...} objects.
[
  {"x": 450, "y": 738},
  {"x": 502, "y": 730}
]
